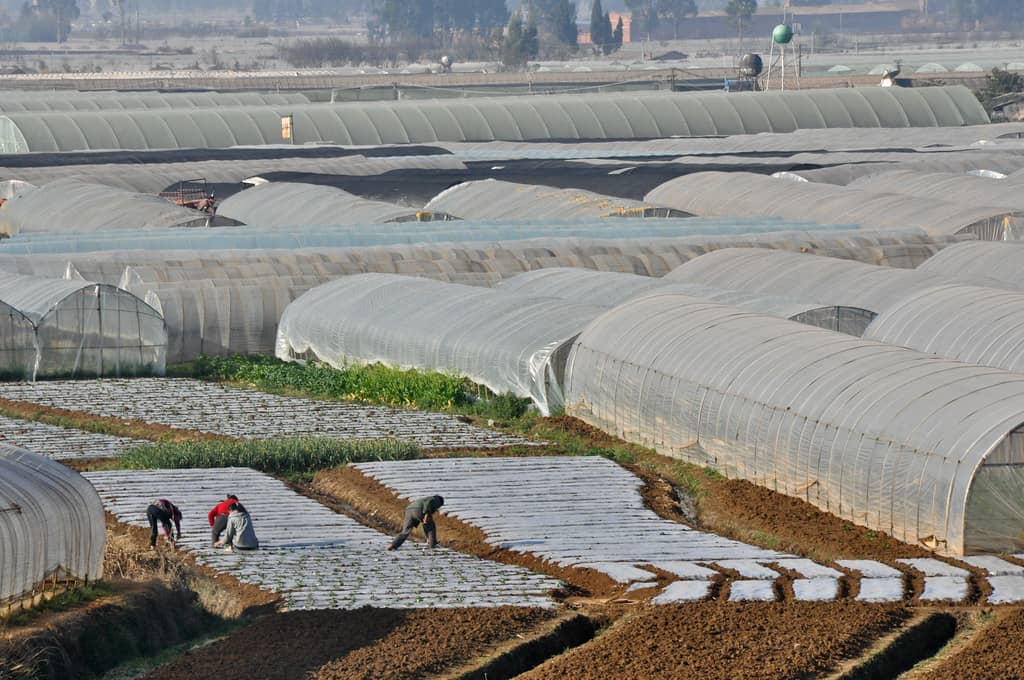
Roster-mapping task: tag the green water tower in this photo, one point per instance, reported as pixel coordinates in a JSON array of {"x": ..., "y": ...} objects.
[{"x": 782, "y": 34}]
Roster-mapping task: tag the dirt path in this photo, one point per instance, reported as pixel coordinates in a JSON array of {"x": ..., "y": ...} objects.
[
  {"x": 996, "y": 650},
  {"x": 711, "y": 640},
  {"x": 369, "y": 644}
]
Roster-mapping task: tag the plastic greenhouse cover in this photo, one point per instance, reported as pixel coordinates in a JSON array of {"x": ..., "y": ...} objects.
[
  {"x": 959, "y": 163},
  {"x": 146, "y": 100},
  {"x": 1003, "y": 262},
  {"x": 749, "y": 194},
  {"x": 964, "y": 189},
  {"x": 970, "y": 324},
  {"x": 70, "y": 205},
  {"x": 156, "y": 177},
  {"x": 609, "y": 289},
  {"x": 368, "y": 234},
  {"x": 79, "y": 328},
  {"x": 506, "y": 342},
  {"x": 492, "y": 199},
  {"x": 584, "y": 116},
  {"x": 59, "y": 530},
  {"x": 277, "y": 204},
  {"x": 882, "y": 436},
  {"x": 826, "y": 280},
  {"x": 484, "y": 263}
]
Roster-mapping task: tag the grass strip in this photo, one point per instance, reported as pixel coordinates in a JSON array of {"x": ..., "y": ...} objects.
[
  {"x": 276, "y": 456},
  {"x": 368, "y": 384}
]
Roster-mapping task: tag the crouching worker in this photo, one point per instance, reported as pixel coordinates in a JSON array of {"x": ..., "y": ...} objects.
[
  {"x": 239, "y": 533},
  {"x": 420, "y": 511},
  {"x": 164, "y": 512},
  {"x": 218, "y": 517}
]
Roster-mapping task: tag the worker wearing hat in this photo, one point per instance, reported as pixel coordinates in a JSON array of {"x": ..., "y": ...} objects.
[{"x": 420, "y": 511}]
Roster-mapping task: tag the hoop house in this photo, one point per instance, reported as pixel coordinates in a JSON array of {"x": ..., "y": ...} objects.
[
  {"x": 51, "y": 524},
  {"x": 928, "y": 450}
]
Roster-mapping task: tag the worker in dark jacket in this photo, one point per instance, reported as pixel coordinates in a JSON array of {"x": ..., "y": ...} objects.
[
  {"x": 218, "y": 517},
  {"x": 420, "y": 511},
  {"x": 164, "y": 512}
]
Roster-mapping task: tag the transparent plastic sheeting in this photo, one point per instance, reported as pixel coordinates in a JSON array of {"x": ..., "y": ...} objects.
[
  {"x": 1003, "y": 162},
  {"x": 492, "y": 199},
  {"x": 749, "y": 194},
  {"x": 69, "y": 205},
  {"x": 946, "y": 187},
  {"x": 60, "y": 328},
  {"x": 115, "y": 101},
  {"x": 627, "y": 115},
  {"x": 152, "y": 178},
  {"x": 975, "y": 325},
  {"x": 808, "y": 139},
  {"x": 225, "y": 317},
  {"x": 919, "y": 447},
  {"x": 479, "y": 263},
  {"x": 506, "y": 342},
  {"x": 609, "y": 289},
  {"x": 1003, "y": 262},
  {"x": 814, "y": 278},
  {"x": 278, "y": 204},
  {"x": 51, "y": 523},
  {"x": 364, "y": 235}
]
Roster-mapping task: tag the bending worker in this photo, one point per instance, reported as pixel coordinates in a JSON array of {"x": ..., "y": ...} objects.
[
  {"x": 239, "y": 533},
  {"x": 218, "y": 517},
  {"x": 164, "y": 512},
  {"x": 420, "y": 511}
]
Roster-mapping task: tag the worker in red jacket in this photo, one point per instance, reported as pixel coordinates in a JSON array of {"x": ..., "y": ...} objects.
[{"x": 218, "y": 517}]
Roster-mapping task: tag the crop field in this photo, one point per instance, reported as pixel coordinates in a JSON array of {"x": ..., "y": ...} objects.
[
  {"x": 207, "y": 407},
  {"x": 61, "y": 443},
  {"x": 312, "y": 556}
]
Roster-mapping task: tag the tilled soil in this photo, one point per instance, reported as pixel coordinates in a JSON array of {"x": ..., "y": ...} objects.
[
  {"x": 382, "y": 508},
  {"x": 997, "y": 651},
  {"x": 369, "y": 644},
  {"x": 710, "y": 640}
]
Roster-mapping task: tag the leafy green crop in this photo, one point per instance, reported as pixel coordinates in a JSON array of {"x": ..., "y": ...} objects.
[{"x": 281, "y": 456}]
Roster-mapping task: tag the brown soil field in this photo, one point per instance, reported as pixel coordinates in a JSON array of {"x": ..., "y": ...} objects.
[
  {"x": 996, "y": 650},
  {"x": 373, "y": 644},
  {"x": 381, "y": 508},
  {"x": 711, "y": 640}
]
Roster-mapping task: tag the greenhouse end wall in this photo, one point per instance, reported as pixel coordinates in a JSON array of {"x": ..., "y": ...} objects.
[{"x": 898, "y": 441}]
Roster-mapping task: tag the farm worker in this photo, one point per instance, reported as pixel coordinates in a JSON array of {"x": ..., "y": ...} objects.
[
  {"x": 218, "y": 517},
  {"x": 239, "y": 533},
  {"x": 420, "y": 511},
  {"x": 165, "y": 512}
]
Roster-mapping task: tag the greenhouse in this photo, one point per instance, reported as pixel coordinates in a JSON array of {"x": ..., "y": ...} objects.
[
  {"x": 58, "y": 533},
  {"x": 824, "y": 280},
  {"x": 492, "y": 199},
  {"x": 152, "y": 178},
  {"x": 280, "y": 204},
  {"x": 1002, "y": 262},
  {"x": 962, "y": 189},
  {"x": 69, "y": 205},
  {"x": 115, "y": 101},
  {"x": 78, "y": 329},
  {"x": 975, "y": 325},
  {"x": 367, "y": 234},
  {"x": 223, "y": 317},
  {"x": 629, "y": 115},
  {"x": 506, "y": 342},
  {"x": 921, "y": 448},
  {"x": 609, "y": 289},
  {"x": 956, "y": 163},
  {"x": 748, "y": 194}
]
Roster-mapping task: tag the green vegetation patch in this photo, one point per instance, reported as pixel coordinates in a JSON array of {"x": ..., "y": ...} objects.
[
  {"x": 276, "y": 456},
  {"x": 372, "y": 383}
]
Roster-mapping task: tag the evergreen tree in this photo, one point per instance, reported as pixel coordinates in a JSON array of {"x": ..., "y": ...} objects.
[
  {"x": 600, "y": 28},
  {"x": 564, "y": 22},
  {"x": 521, "y": 42},
  {"x": 739, "y": 12},
  {"x": 530, "y": 43},
  {"x": 617, "y": 34}
]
